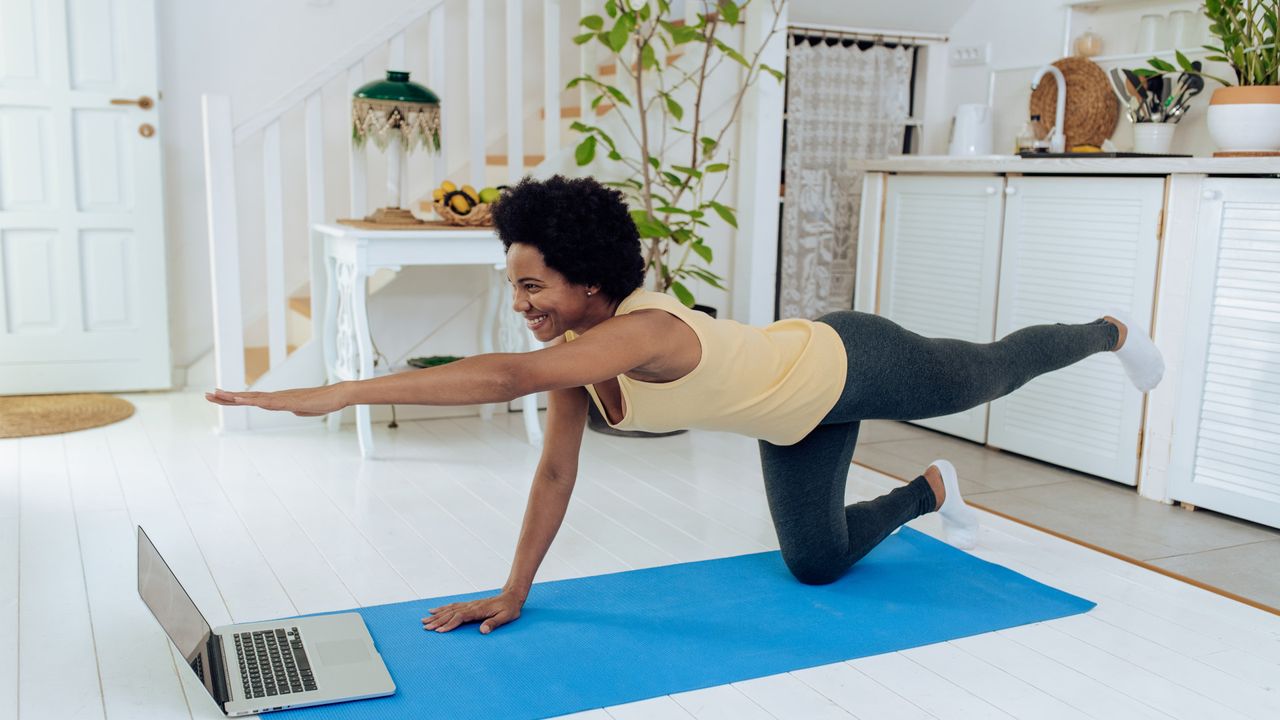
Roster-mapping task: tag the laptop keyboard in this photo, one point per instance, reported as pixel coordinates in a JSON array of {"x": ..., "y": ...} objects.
[{"x": 273, "y": 662}]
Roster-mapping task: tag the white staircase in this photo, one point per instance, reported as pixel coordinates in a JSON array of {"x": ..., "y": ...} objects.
[{"x": 272, "y": 175}]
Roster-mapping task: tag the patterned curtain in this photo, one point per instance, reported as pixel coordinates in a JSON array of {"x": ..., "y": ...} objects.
[{"x": 843, "y": 103}]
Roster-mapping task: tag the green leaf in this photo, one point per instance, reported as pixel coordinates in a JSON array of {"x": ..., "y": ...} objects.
[
  {"x": 708, "y": 145},
  {"x": 1162, "y": 65},
  {"x": 733, "y": 54},
  {"x": 611, "y": 8},
  {"x": 648, "y": 58},
  {"x": 645, "y": 12},
  {"x": 717, "y": 167},
  {"x": 614, "y": 155},
  {"x": 1183, "y": 62},
  {"x": 725, "y": 213},
  {"x": 654, "y": 162},
  {"x": 693, "y": 172},
  {"x": 703, "y": 251},
  {"x": 682, "y": 293},
  {"x": 673, "y": 178},
  {"x": 619, "y": 34},
  {"x": 618, "y": 95},
  {"x": 683, "y": 235},
  {"x": 729, "y": 11},
  {"x": 1145, "y": 72},
  {"x": 586, "y": 151},
  {"x": 777, "y": 74},
  {"x": 681, "y": 34},
  {"x": 583, "y": 38},
  {"x": 674, "y": 108},
  {"x": 592, "y": 22}
]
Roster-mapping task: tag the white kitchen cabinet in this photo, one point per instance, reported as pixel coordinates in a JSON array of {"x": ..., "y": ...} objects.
[
  {"x": 1073, "y": 249},
  {"x": 1225, "y": 446},
  {"x": 939, "y": 267}
]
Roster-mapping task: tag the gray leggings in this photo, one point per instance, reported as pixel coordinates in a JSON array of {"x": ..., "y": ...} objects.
[{"x": 895, "y": 374}]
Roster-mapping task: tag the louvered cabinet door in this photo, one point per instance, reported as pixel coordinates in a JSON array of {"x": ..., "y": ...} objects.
[
  {"x": 1226, "y": 433},
  {"x": 939, "y": 267},
  {"x": 1075, "y": 248}
]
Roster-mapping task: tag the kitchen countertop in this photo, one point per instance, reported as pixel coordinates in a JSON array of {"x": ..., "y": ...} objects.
[{"x": 1070, "y": 166}]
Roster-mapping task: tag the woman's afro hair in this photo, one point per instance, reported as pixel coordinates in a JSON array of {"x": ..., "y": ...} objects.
[{"x": 582, "y": 229}]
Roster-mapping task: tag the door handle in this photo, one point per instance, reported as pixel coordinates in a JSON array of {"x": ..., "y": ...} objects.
[
  {"x": 143, "y": 102},
  {"x": 1011, "y": 190}
]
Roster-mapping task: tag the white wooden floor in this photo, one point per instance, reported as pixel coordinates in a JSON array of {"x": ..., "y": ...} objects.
[{"x": 441, "y": 517}]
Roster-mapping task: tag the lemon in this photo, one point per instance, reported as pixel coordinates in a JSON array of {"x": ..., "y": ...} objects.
[{"x": 448, "y": 186}]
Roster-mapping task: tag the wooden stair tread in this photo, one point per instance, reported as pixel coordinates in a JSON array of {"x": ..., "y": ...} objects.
[
  {"x": 301, "y": 305},
  {"x": 257, "y": 360},
  {"x": 501, "y": 159}
]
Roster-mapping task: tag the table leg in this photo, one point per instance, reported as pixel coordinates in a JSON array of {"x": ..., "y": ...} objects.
[
  {"x": 329, "y": 333},
  {"x": 360, "y": 321},
  {"x": 487, "y": 324}
]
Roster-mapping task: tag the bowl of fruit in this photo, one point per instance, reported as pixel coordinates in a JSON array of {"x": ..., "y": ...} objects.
[{"x": 464, "y": 205}]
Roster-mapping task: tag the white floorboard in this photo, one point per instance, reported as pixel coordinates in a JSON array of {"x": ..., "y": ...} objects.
[{"x": 293, "y": 521}]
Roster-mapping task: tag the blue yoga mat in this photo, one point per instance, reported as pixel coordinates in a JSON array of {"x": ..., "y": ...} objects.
[{"x": 609, "y": 639}]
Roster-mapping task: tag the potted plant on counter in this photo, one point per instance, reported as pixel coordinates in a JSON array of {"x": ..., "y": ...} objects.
[{"x": 1244, "y": 116}]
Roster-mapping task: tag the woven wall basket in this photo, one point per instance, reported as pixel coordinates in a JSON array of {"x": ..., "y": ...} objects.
[{"x": 1092, "y": 110}]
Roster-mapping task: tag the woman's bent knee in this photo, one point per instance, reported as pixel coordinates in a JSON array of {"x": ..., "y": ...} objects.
[{"x": 817, "y": 573}]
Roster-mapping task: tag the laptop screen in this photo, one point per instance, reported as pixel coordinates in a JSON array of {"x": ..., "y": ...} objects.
[{"x": 173, "y": 608}]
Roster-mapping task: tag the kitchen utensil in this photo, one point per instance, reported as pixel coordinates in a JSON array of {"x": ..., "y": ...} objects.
[
  {"x": 1125, "y": 93},
  {"x": 971, "y": 134},
  {"x": 1139, "y": 89}
]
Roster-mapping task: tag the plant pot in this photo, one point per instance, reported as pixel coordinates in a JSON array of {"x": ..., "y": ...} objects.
[
  {"x": 1245, "y": 119},
  {"x": 1153, "y": 138}
]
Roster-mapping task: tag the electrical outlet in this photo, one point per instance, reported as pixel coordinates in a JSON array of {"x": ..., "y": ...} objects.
[{"x": 969, "y": 55}]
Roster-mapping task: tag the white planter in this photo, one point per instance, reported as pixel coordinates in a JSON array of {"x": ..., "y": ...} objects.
[
  {"x": 1153, "y": 138},
  {"x": 1245, "y": 119}
]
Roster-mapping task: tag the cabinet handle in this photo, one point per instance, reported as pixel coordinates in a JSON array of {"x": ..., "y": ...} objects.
[
  {"x": 1211, "y": 194},
  {"x": 1011, "y": 191},
  {"x": 990, "y": 190}
]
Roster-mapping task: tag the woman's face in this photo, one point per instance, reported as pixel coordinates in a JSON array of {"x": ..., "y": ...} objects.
[{"x": 549, "y": 303}]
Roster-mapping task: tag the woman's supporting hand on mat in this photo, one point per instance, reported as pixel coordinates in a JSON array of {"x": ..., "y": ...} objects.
[
  {"x": 494, "y": 611},
  {"x": 304, "y": 402}
]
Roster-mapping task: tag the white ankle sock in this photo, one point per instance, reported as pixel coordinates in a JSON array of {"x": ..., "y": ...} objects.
[
  {"x": 1140, "y": 357},
  {"x": 959, "y": 521}
]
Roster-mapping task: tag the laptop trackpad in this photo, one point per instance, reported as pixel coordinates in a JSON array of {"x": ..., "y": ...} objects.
[{"x": 341, "y": 652}]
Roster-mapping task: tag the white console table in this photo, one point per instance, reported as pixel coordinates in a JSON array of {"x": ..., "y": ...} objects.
[{"x": 352, "y": 254}]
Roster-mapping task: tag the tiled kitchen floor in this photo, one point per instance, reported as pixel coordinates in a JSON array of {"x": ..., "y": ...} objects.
[{"x": 1230, "y": 554}]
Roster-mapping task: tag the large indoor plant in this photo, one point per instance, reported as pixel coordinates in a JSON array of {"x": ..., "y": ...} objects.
[
  {"x": 1244, "y": 115},
  {"x": 673, "y": 162}
]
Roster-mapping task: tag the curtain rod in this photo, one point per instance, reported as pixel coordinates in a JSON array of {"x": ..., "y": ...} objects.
[{"x": 872, "y": 34}]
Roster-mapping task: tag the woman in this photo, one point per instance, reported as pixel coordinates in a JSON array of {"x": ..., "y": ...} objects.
[{"x": 648, "y": 362}]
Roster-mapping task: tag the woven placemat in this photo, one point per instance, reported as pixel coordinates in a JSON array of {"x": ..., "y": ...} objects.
[
  {"x": 1092, "y": 109},
  {"x": 28, "y": 415}
]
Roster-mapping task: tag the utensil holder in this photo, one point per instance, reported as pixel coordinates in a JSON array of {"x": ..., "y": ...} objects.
[{"x": 1154, "y": 138}]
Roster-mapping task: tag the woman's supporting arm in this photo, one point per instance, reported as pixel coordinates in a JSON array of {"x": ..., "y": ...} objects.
[{"x": 548, "y": 501}]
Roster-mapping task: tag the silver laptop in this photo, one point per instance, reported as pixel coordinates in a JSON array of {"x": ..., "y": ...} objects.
[{"x": 250, "y": 668}]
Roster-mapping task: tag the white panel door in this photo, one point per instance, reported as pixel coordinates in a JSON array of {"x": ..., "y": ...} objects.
[
  {"x": 1074, "y": 249},
  {"x": 1226, "y": 431},
  {"x": 940, "y": 265},
  {"x": 82, "y": 270}
]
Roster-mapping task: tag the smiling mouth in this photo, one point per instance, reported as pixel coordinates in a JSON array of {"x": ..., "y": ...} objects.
[{"x": 536, "y": 322}]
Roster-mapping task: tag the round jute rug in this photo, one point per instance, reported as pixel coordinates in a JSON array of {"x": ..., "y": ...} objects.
[{"x": 27, "y": 415}]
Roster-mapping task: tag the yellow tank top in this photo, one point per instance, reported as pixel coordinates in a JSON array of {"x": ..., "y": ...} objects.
[{"x": 775, "y": 383}]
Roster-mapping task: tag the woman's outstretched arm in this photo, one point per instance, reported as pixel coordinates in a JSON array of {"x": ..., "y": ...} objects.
[{"x": 608, "y": 350}]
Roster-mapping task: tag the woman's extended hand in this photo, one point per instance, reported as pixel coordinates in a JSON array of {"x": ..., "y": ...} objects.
[
  {"x": 494, "y": 611},
  {"x": 304, "y": 402}
]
